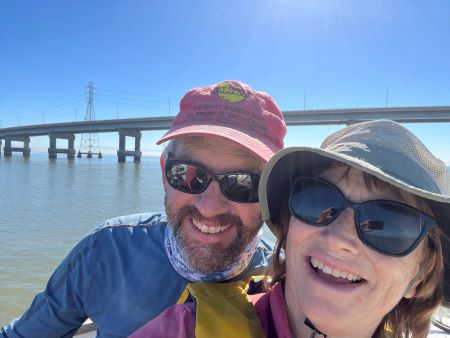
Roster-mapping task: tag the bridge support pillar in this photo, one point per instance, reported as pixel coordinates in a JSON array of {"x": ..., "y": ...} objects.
[
  {"x": 53, "y": 150},
  {"x": 8, "y": 149},
  {"x": 122, "y": 153},
  {"x": 71, "y": 147},
  {"x": 52, "y": 153}
]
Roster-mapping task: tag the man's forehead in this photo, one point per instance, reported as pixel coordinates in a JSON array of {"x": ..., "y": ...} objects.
[
  {"x": 215, "y": 147},
  {"x": 215, "y": 143}
]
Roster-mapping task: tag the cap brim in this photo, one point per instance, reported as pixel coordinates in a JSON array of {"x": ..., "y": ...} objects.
[{"x": 263, "y": 151}]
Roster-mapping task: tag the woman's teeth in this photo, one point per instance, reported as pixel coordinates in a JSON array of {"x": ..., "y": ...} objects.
[
  {"x": 209, "y": 230},
  {"x": 335, "y": 273}
]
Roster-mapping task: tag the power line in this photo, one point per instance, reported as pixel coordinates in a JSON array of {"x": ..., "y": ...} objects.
[
  {"x": 131, "y": 99},
  {"x": 63, "y": 107},
  {"x": 56, "y": 105},
  {"x": 116, "y": 102},
  {"x": 135, "y": 94}
]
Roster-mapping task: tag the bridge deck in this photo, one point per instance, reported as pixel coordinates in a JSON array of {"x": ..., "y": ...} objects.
[{"x": 305, "y": 117}]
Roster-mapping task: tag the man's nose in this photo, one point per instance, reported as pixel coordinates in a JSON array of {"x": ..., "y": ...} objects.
[
  {"x": 212, "y": 202},
  {"x": 341, "y": 234}
]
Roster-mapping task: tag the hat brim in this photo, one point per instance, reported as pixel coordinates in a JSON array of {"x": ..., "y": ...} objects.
[
  {"x": 263, "y": 151},
  {"x": 281, "y": 171}
]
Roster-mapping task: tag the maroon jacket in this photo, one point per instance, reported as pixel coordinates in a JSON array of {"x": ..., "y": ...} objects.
[{"x": 272, "y": 312}]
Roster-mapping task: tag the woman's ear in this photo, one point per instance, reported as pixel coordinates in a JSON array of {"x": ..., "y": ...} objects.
[{"x": 425, "y": 268}]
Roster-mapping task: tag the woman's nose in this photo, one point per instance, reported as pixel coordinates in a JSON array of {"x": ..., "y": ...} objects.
[{"x": 341, "y": 234}]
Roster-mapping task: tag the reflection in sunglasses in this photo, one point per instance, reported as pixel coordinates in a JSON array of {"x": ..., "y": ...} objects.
[
  {"x": 369, "y": 225},
  {"x": 326, "y": 214},
  {"x": 244, "y": 180}
]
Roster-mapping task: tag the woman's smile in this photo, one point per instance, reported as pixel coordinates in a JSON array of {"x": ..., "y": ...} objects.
[{"x": 333, "y": 275}]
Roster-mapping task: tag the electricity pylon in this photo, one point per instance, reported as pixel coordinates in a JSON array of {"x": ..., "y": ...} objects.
[{"x": 90, "y": 144}]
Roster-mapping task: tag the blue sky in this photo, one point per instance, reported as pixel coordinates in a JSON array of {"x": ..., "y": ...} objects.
[{"x": 142, "y": 56}]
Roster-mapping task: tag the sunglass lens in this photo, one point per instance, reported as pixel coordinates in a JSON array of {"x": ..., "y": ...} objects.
[
  {"x": 389, "y": 227},
  {"x": 241, "y": 188},
  {"x": 315, "y": 202},
  {"x": 187, "y": 178}
]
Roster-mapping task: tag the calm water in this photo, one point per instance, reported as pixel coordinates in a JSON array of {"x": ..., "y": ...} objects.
[{"x": 46, "y": 206}]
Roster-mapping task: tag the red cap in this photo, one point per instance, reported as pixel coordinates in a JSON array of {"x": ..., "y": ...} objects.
[{"x": 234, "y": 111}]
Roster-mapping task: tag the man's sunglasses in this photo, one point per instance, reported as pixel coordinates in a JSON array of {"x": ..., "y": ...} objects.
[
  {"x": 392, "y": 228},
  {"x": 192, "y": 178}
]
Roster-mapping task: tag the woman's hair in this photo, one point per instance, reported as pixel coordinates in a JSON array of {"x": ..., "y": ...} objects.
[{"x": 410, "y": 317}]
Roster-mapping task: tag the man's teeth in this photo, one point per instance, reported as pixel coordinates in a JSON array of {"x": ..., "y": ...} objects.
[
  {"x": 336, "y": 273},
  {"x": 209, "y": 230}
]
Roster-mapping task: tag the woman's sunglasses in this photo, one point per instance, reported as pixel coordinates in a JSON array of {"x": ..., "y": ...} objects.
[
  {"x": 192, "y": 178},
  {"x": 392, "y": 228}
]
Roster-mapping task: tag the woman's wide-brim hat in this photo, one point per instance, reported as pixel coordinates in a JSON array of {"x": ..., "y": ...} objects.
[{"x": 381, "y": 148}]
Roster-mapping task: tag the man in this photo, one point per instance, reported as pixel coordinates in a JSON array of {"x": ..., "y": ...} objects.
[{"x": 131, "y": 268}]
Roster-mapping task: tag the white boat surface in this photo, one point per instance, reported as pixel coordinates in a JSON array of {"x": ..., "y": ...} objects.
[{"x": 87, "y": 330}]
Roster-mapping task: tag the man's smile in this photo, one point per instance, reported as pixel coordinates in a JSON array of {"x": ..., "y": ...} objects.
[{"x": 209, "y": 229}]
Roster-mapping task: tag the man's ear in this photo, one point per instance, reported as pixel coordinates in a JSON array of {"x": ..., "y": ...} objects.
[{"x": 162, "y": 161}]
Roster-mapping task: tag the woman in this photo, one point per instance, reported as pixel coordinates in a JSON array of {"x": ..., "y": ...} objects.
[{"x": 361, "y": 227}]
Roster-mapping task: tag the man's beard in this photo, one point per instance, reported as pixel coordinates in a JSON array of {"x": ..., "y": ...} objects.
[{"x": 207, "y": 258}]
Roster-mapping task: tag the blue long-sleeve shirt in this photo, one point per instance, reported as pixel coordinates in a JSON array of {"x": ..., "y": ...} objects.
[{"x": 119, "y": 276}]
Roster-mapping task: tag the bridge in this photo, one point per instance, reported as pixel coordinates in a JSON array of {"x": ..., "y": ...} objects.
[{"x": 133, "y": 127}]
